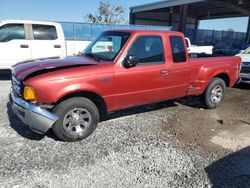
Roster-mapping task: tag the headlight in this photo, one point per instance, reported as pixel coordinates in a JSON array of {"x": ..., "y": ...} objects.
[{"x": 29, "y": 93}]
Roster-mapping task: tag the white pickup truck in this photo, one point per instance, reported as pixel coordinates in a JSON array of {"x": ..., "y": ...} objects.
[
  {"x": 245, "y": 66},
  {"x": 22, "y": 40},
  {"x": 193, "y": 49}
]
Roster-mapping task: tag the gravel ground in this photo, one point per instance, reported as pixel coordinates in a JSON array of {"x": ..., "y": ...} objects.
[{"x": 134, "y": 148}]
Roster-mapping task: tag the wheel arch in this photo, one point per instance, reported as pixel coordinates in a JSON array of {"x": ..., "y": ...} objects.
[
  {"x": 92, "y": 96},
  {"x": 225, "y": 77}
]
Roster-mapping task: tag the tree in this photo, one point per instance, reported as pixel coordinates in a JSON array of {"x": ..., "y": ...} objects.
[{"x": 107, "y": 13}]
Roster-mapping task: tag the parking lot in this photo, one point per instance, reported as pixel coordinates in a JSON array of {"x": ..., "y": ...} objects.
[{"x": 169, "y": 144}]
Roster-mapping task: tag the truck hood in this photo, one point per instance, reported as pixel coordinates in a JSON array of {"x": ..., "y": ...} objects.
[{"x": 26, "y": 69}]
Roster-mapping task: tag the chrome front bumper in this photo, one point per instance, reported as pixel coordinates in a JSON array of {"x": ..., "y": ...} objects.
[{"x": 38, "y": 119}]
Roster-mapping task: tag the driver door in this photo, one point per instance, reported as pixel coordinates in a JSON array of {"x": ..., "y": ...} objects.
[{"x": 146, "y": 82}]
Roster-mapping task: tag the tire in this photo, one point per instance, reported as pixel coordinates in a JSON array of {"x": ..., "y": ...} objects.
[
  {"x": 214, "y": 93},
  {"x": 78, "y": 119}
]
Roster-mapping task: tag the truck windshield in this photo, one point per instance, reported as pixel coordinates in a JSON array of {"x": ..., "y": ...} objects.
[
  {"x": 247, "y": 51},
  {"x": 107, "y": 46}
]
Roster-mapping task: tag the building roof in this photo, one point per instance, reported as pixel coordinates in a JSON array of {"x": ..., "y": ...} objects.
[{"x": 201, "y": 9}]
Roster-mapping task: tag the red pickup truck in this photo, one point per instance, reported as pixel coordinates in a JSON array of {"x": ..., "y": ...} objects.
[{"x": 133, "y": 68}]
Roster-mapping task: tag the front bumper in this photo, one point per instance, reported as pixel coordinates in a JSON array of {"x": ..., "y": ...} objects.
[{"x": 38, "y": 119}]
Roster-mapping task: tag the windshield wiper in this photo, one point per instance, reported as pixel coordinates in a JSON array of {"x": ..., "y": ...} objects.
[{"x": 94, "y": 56}]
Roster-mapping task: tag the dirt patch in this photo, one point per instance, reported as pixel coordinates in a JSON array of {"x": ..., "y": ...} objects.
[
  {"x": 234, "y": 139},
  {"x": 226, "y": 127}
]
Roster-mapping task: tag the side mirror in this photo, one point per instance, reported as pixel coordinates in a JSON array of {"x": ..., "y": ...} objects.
[{"x": 130, "y": 61}]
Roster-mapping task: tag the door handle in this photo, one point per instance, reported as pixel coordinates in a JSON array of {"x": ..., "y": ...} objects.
[
  {"x": 24, "y": 46},
  {"x": 57, "y": 46},
  {"x": 164, "y": 71}
]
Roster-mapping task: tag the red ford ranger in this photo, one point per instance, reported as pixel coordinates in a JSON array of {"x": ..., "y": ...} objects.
[{"x": 120, "y": 69}]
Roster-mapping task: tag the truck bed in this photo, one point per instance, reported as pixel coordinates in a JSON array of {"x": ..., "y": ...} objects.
[{"x": 204, "y": 68}]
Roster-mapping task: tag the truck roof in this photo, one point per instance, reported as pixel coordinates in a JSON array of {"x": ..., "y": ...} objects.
[
  {"x": 29, "y": 22},
  {"x": 146, "y": 31}
]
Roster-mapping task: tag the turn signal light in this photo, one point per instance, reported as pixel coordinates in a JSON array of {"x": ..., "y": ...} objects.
[{"x": 29, "y": 93}]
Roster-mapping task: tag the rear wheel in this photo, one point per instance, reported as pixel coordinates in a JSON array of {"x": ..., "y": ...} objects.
[
  {"x": 214, "y": 93},
  {"x": 78, "y": 119}
]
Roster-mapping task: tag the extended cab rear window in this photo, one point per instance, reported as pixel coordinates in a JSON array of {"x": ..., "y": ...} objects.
[
  {"x": 178, "y": 49},
  {"x": 44, "y": 32}
]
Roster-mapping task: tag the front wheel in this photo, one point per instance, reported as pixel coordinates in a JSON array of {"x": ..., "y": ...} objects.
[
  {"x": 78, "y": 119},
  {"x": 214, "y": 93}
]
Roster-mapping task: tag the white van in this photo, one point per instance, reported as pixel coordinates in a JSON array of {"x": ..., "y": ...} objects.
[{"x": 22, "y": 40}]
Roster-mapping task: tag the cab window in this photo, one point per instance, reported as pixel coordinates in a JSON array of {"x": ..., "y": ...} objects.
[
  {"x": 10, "y": 32},
  {"x": 178, "y": 49},
  {"x": 44, "y": 32},
  {"x": 148, "y": 50}
]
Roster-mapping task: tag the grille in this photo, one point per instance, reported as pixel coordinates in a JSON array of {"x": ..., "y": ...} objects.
[
  {"x": 246, "y": 64},
  {"x": 16, "y": 85},
  {"x": 245, "y": 68}
]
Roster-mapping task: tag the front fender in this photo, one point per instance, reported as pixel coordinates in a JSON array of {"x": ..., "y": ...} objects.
[{"x": 75, "y": 88}]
